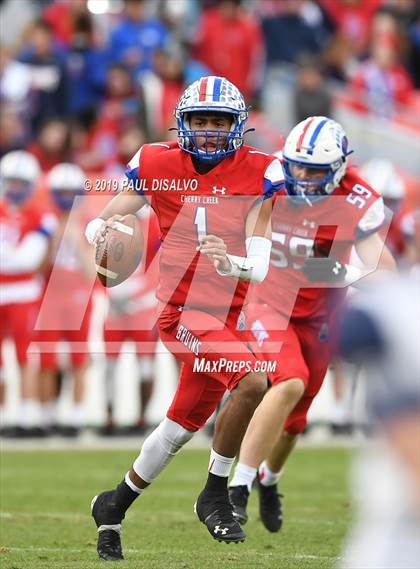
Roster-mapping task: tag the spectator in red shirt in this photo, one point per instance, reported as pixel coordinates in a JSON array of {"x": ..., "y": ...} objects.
[
  {"x": 352, "y": 19},
  {"x": 230, "y": 44},
  {"x": 60, "y": 15},
  {"x": 383, "y": 80}
]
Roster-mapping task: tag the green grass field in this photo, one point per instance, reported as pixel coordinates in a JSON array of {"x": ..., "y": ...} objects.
[{"x": 45, "y": 518}]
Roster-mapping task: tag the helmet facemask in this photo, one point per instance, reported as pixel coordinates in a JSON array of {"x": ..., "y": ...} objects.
[
  {"x": 217, "y": 143},
  {"x": 211, "y": 95},
  {"x": 16, "y": 191},
  {"x": 64, "y": 199},
  {"x": 313, "y": 190},
  {"x": 320, "y": 145}
]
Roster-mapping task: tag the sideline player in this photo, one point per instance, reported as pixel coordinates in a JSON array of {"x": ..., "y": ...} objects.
[
  {"x": 201, "y": 291},
  {"x": 327, "y": 208},
  {"x": 25, "y": 236},
  {"x": 66, "y": 316}
]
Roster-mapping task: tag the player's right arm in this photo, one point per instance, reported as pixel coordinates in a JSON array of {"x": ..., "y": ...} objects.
[
  {"x": 127, "y": 201},
  {"x": 124, "y": 203}
]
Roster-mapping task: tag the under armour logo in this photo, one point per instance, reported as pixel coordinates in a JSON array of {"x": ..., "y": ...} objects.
[
  {"x": 337, "y": 268},
  {"x": 217, "y": 190},
  {"x": 223, "y": 531},
  {"x": 307, "y": 222}
]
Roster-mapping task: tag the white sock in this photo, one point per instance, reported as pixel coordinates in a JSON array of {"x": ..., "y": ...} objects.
[
  {"x": 111, "y": 364},
  {"x": 220, "y": 465},
  {"x": 76, "y": 418},
  {"x": 244, "y": 476},
  {"x": 266, "y": 476},
  {"x": 30, "y": 413},
  {"x": 131, "y": 484},
  {"x": 49, "y": 413}
]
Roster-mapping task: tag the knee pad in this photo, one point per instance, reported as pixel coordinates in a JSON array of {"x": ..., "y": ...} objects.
[{"x": 159, "y": 448}]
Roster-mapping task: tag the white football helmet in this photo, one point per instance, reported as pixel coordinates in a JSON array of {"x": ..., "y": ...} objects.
[
  {"x": 211, "y": 94},
  {"x": 66, "y": 181},
  {"x": 382, "y": 175},
  {"x": 319, "y": 143},
  {"x": 19, "y": 172}
]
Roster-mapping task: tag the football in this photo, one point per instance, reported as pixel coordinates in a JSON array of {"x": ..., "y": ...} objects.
[{"x": 119, "y": 254}]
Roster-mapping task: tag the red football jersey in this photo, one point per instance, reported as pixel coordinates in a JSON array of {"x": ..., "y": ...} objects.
[
  {"x": 16, "y": 284},
  {"x": 189, "y": 204},
  {"x": 329, "y": 227}
]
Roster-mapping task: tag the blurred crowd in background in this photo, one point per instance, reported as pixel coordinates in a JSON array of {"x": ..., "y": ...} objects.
[
  {"x": 84, "y": 83},
  {"x": 89, "y": 81}
]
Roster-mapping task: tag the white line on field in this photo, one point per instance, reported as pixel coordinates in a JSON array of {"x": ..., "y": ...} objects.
[
  {"x": 48, "y": 515},
  {"x": 136, "y": 550},
  {"x": 78, "y": 517}
]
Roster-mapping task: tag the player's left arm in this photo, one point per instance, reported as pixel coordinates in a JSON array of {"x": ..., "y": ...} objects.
[
  {"x": 373, "y": 253},
  {"x": 253, "y": 267}
]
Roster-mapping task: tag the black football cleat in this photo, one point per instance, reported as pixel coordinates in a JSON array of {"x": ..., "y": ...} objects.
[
  {"x": 238, "y": 496},
  {"x": 270, "y": 507},
  {"x": 108, "y": 521},
  {"x": 216, "y": 513}
]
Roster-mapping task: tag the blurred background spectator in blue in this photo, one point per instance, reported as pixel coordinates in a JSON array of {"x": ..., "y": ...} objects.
[
  {"x": 86, "y": 66},
  {"x": 298, "y": 27},
  {"x": 135, "y": 38},
  {"x": 49, "y": 94}
]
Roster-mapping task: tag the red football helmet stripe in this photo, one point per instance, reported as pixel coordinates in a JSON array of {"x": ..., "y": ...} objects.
[
  {"x": 302, "y": 136},
  {"x": 203, "y": 89}
]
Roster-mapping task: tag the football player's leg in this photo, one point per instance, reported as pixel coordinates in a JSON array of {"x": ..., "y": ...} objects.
[
  {"x": 109, "y": 508},
  {"x": 227, "y": 359},
  {"x": 316, "y": 356},
  {"x": 79, "y": 355},
  {"x": 266, "y": 425},
  {"x": 288, "y": 384},
  {"x": 113, "y": 340},
  {"x": 49, "y": 389},
  {"x": 22, "y": 326},
  {"x": 4, "y": 330},
  {"x": 146, "y": 348}
]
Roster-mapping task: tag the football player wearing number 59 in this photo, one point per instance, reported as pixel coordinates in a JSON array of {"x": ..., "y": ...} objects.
[
  {"x": 325, "y": 209},
  {"x": 212, "y": 196}
]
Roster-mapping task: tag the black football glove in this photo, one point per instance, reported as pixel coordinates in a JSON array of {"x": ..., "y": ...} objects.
[{"x": 324, "y": 269}]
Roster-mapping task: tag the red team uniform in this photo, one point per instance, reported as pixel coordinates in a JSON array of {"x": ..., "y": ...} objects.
[
  {"x": 289, "y": 317},
  {"x": 20, "y": 290},
  {"x": 200, "y": 310},
  {"x": 67, "y": 304}
]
